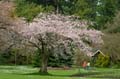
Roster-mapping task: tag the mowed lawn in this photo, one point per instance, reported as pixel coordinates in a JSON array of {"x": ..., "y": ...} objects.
[{"x": 27, "y": 72}]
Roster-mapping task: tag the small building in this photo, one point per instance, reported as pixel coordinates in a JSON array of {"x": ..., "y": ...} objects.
[
  {"x": 99, "y": 59},
  {"x": 96, "y": 55}
]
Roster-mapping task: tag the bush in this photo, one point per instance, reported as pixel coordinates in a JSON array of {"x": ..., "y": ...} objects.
[{"x": 102, "y": 61}]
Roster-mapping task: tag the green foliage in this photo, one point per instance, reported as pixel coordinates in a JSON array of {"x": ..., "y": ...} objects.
[
  {"x": 7, "y": 57},
  {"x": 114, "y": 27},
  {"x": 3, "y": 58},
  {"x": 54, "y": 61},
  {"x": 98, "y": 11},
  {"x": 14, "y": 57},
  {"x": 49, "y": 9},
  {"x": 85, "y": 9},
  {"x": 67, "y": 7},
  {"x": 37, "y": 59},
  {"x": 106, "y": 10},
  {"x": 102, "y": 61},
  {"x": 27, "y": 9}
]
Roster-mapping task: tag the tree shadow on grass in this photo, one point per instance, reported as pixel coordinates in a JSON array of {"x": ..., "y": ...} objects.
[
  {"x": 38, "y": 73},
  {"x": 46, "y": 74}
]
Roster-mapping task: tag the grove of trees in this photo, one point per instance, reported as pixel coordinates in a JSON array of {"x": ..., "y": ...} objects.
[{"x": 98, "y": 11}]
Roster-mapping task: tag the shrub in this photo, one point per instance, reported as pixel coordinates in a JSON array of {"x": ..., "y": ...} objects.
[{"x": 102, "y": 61}]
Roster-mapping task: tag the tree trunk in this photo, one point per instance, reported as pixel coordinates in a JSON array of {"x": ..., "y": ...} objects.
[
  {"x": 44, "y": 58},
  {"x": 15, "y": 58},
  {"x": 44, "y": 61}
]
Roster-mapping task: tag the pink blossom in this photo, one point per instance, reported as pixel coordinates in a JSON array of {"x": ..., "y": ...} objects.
[{"x": 66, "y": 27}]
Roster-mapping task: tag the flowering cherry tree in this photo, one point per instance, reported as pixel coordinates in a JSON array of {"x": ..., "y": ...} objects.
[
  {"x": 56, "y": 33},
  {"x": 8, "y": 38}
]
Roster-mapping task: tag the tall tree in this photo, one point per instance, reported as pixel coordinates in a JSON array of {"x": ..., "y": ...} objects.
[
  {"x": 106, "y": 10},
  {"x": 85, "y": 9}
]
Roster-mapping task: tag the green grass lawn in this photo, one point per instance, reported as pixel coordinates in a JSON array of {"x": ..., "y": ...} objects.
[{"x": 27, "y": 72}]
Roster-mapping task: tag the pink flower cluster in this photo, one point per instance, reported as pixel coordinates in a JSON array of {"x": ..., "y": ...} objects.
[{"x": 63, "y": 26}]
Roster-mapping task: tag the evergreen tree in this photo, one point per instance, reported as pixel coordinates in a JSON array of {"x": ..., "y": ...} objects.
[{"x": 106, "y": 10}]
